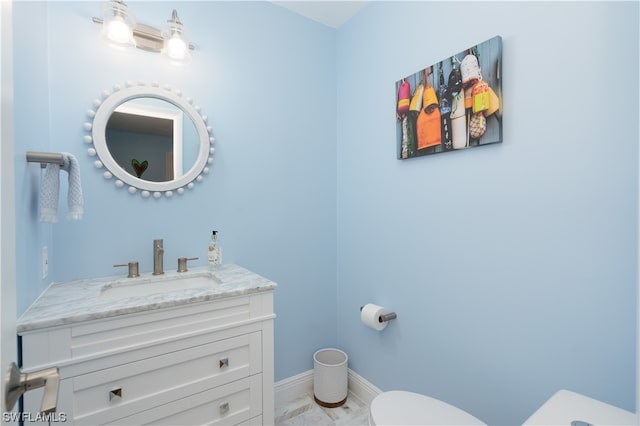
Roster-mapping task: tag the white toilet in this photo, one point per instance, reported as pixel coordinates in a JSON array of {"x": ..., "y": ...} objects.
[
  {"x": 570, "y": 408},
  {"x": 408, "y": 408}
]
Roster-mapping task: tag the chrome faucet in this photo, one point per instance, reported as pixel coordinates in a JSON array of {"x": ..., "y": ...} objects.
[{"x": 158, "y": 253}]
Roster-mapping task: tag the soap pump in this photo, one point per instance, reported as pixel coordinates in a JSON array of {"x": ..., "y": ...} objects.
[{"x": 214, "y": 255}]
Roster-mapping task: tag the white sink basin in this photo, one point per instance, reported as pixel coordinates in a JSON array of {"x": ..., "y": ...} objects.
[{"x": 157, "y": 284}]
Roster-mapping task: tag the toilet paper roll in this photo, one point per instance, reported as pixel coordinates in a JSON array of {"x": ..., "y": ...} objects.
[{"x": 370, "y": 316}]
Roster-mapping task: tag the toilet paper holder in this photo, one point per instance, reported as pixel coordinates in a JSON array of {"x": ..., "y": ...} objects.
[{"x": 384, "y": 317}]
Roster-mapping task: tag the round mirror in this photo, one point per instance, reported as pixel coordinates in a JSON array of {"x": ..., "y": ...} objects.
[{"x": 149, "y": 138}]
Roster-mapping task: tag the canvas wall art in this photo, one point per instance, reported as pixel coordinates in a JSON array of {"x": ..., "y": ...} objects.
[{"x": 451, "y": 105}]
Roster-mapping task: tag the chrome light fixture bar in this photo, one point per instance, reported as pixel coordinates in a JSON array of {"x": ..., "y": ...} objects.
[{"x": 120, "y": 29}]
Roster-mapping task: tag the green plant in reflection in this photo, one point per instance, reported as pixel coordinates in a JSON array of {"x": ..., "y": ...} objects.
[{"x": 139, "y": 167}]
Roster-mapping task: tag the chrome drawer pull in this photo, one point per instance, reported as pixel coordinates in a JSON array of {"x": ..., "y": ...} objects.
[
  {"x": 224, "y": 408},
  {"x": 224, "y": 362},
  {"x": 115, "y": 393}
]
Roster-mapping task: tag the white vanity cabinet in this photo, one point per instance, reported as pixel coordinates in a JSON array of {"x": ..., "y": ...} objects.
[{"x": 208, "y": 362}]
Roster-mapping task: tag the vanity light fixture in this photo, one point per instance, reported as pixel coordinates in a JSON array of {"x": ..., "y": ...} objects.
[
  {"x": 120, "y": 29},
  {"x": 117, "y": 24},
  {"x": 175, "y": 46}
]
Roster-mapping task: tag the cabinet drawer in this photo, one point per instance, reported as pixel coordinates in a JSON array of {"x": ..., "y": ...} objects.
[
  {"x": 139, "y": 329},
  {"x": 155, "y": 381},
  {"x": 256, "y": 421},
  {"x": 231, "y": 404}
]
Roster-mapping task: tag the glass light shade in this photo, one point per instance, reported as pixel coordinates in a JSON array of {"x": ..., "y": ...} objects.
[
  {"x": 175, "y": 44},
  {"x": 176, "y": 48},
  {"x": 118, "y": 31},
  {"x": 118, "y": 23}
]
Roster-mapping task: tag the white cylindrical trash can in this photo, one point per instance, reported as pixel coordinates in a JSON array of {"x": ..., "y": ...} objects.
[{"x": 330, "y": 383}]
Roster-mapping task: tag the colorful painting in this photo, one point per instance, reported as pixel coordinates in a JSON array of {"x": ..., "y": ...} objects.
[{"x": 454, "y": 104}]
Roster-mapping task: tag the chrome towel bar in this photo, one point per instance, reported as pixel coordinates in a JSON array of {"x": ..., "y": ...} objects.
[{"x": 45, "y": 157}]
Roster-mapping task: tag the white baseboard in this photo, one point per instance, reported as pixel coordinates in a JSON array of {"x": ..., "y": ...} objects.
[
  {"x": 292, "y": 387},
  {"x": 362, "y": 388},
  {"x": 300, "y": 384}
]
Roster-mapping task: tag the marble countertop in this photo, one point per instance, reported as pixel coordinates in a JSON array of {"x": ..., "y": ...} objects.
[{"x": 73, "y": 302}]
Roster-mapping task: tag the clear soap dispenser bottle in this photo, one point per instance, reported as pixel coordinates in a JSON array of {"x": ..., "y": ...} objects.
[{"x": 214, "y": 255}]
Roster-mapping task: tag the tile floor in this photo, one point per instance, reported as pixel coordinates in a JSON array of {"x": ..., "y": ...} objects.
[{"x": 303, "y": 410}]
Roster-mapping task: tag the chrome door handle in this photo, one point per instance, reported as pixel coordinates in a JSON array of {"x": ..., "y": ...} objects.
[{"x": 17, "y": 383}]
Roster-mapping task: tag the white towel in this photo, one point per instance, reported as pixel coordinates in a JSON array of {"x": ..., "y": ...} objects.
[
  {"x": 50, "y": 190},
  {"x": 75, "y": 201}
]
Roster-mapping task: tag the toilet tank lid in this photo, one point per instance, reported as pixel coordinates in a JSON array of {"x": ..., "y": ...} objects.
[
  {"x": 408, "y": 408},
  {"x": 565, "y": 407}
]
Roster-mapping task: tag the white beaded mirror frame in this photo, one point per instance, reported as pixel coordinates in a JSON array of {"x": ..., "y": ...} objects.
[{"x": 103, "y": 109}]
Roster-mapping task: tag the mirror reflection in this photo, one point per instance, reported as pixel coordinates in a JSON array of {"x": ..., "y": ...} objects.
[{"x": 151, "y": 139}]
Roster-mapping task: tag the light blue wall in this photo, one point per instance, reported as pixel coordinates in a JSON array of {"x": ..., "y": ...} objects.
[
  {"x": 512, "y": 267},
  {"x": 260, "y": 73},
  {"x": 31, "y": 134}
]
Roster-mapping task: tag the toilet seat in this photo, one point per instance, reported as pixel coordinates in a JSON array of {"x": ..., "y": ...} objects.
[{"x": 408, "y": 408}]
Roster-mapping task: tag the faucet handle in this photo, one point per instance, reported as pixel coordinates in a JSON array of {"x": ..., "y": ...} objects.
[
  {"x": 182, "y": 263},
  {"x": 133, "y": 269}
]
